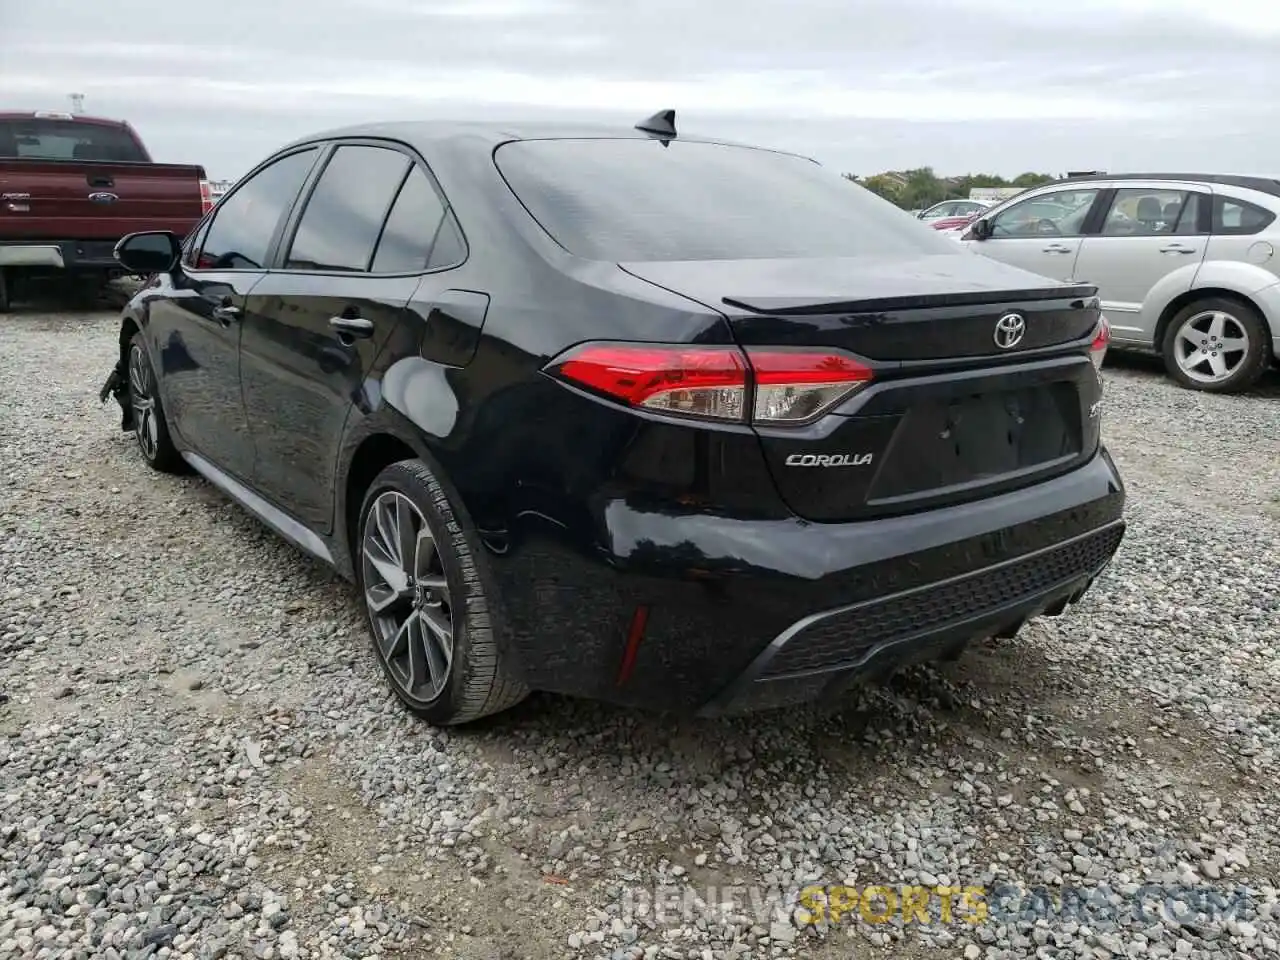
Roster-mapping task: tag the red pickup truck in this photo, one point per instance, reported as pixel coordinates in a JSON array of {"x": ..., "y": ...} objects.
[{"x": 72, "y": 186}]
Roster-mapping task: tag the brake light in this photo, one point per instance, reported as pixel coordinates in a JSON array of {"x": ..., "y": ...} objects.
[
  {"x": 771, "y": 385},
  {"x": 696, "y": 381},
  {"x": 206, "y": 197},
  {"x": 1101, "y": 340}
]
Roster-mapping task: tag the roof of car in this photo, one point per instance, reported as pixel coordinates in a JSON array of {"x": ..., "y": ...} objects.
[
  {"x": 492, "y": 134},
  {"x": 59, "y": 115},
  {"x": 1269, "y": 185}
]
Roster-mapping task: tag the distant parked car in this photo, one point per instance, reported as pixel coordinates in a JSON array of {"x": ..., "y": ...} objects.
[
  {"x": 1186, "y": 264},
  {"x": 950, "y": 213},
  {"x": 72, "y": 186}
]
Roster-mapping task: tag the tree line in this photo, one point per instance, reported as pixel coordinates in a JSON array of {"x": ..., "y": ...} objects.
[{"x": 920, "y": 188}]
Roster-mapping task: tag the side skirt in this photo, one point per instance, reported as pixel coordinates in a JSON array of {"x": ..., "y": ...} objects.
[{"x": 273, "y": 517}]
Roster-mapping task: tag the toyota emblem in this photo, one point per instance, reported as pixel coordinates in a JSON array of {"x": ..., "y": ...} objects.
[{"x": 1009, "y": 330}]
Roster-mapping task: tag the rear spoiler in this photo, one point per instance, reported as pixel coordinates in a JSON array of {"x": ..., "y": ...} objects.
[{"x": 790, "y": 306}]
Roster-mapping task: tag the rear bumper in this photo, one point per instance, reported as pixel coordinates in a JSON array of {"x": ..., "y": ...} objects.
[
  {"x": 742, "y": 615},
  {"x": 59, "y": 255},
  {"x": 1268, "y": 301},
  {"x": 822, "y": 655}
]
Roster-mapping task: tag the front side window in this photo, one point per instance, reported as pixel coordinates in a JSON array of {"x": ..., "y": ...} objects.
[
  {"x": 1240, "y": 217},
  {"x": 344, "y": 215},
  {"x": 1060, "y": 214},
  {"x": 245, "y": 221},
  {"x": 191, "y": 249},
  {"x": 640, "y": 200}
]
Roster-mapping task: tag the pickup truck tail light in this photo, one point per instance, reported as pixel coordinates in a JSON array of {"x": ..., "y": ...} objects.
[
  {"x": 771, "y": 385},
  {"x": 206, "y": 197}
]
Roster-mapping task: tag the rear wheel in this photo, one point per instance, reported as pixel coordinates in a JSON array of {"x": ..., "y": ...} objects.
[
  {"x": 150, "y": 429},
  {"x": 1217, "y": 345},
  {"x": 428, "y": 601}
]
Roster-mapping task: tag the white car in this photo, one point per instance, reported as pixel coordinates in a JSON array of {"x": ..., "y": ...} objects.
[{"x": 1187, "y": 266}]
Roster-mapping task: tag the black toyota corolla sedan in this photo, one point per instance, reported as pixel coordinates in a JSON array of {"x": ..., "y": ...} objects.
[{"x": 625, "y": 414}]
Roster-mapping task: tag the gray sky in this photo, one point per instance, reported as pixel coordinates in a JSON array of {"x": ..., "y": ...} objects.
[{"x": 962, "y": 85}]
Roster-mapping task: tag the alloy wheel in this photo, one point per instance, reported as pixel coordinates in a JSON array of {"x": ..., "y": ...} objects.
[
  {"x": 407, "y": 596},
  {"x": 143, "y": 401},
  {"x": 1210, "y": 346}
]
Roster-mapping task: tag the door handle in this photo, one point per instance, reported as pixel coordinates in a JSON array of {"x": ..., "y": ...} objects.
[
  {"x": 1057, "y": 248},
  {"x": 226, "y": 314},
  {"x": 351, "y": 328},
  {"x": 1177, "y": 248}
]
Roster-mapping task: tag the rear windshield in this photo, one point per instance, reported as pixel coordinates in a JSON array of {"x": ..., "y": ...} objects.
[
  {"x": 636, "y": 200},
  {"x": 47, "y": 139}
]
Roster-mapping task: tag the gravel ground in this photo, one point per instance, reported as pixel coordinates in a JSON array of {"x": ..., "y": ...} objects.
[{"x": 199, "y": 760}]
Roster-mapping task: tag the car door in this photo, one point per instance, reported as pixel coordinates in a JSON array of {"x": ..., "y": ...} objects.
[
  {"x": 1040, "y": 233},
  {"x": 352, "y": 258},
  {"x": 195, "y": 330},
  {"x": 1153, "y": 233}
]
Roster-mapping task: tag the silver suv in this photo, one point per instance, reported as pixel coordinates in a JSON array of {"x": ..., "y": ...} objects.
[{"x": 1187, "y": 265}]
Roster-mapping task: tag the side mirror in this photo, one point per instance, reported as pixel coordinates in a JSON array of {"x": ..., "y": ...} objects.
[
  {"x": 153, "y": 251},
  {"x": 980, "y": 230}
]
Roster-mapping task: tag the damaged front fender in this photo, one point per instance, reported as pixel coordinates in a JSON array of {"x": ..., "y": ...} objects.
[{"x": 117, "y": 386}]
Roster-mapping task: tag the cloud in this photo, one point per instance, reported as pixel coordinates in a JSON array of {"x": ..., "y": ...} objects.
[{"x": 1001, "y": 85}]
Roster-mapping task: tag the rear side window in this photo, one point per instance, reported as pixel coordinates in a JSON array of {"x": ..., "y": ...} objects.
[
  {"x": 46, "y": 139},
  {"x": 1239, "y": 217},
  {"x": 411, "y": 227},
  {"x": 245, "y": 221},
  {"x": 450, "y": 249},
  {"x": 1141, "y": 212},
  {"x": 344, "y": 215},
  {"x": 637, "y": 200}
]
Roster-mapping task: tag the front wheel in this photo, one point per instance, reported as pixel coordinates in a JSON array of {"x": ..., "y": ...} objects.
[
  {"x": 428, "y": 603},
  {"x": 1217, "y": 345},
  {"x": 150, "y": 429}
]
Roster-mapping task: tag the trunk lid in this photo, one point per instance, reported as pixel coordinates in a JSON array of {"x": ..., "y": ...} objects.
[
  {"x": 96, "y": 200},
  {"x": 952, "y": 415},
  {"x": 928, "y": 308}
]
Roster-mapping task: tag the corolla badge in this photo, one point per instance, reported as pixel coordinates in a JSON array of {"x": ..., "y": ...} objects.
[
  {"x": 103, "y": 198},
  {"x": 829, "y": 460},
  {"x": 1010, "y": 330}
]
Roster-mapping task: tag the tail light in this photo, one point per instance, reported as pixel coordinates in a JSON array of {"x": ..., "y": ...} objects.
[
  {"x": 772, "y": 385},
  {"x": 1101, "y": 339},
  {"x": 206, "y": 197}
]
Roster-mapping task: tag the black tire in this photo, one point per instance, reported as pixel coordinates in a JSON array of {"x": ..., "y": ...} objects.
[
  {"x": 150, "y": 428},
  {"x": 6, "y": 301},
  {"x": 1256, "y": 358},
  {"x": 479, "y": 681}
]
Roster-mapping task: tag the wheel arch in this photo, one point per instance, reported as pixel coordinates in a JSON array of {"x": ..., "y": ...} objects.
[
  {"x": 129, "y": 327},
  {"x": 374, "y": 451},
  {"x": 1180, "y": 302}
]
